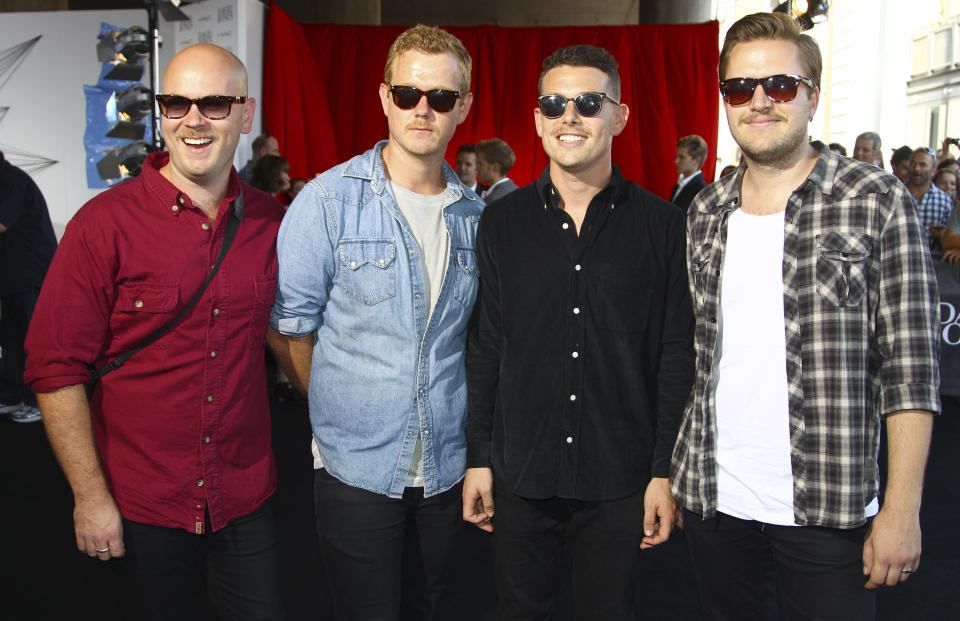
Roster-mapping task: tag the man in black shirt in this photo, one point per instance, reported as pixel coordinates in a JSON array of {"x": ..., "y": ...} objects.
[
  {"x": 581, "y": 360},
  {"x": 27, "y": 244}
]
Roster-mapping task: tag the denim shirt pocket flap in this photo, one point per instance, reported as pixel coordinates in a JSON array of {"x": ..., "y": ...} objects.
[
  {"x": 467, "y": 260},
  {"x": 148, "y": 297},
  {"x": 355, "y": 253}
]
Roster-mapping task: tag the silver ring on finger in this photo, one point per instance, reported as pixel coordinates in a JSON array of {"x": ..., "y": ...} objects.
[
  {"x": 906, "y": 571},
  {"x": 103, "y": 551}
]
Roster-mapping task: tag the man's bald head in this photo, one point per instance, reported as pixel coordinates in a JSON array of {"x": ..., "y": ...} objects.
[{"x": 206, "y": 58}]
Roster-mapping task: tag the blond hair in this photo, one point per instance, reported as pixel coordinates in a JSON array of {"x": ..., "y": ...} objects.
[{"x": 430, "y": 40}]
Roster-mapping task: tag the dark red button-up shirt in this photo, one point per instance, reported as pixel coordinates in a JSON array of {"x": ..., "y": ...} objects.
[{"x": 184, "y": 425}]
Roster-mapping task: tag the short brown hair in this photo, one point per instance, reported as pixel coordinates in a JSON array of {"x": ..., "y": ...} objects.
[
  {"x": 696, "y": 147},
  {"x": 583, "y": 56},
  {"x": 496, "y": 151},
  {"x": 779, "y": 27},
  {"x": 431, "y": 40}
]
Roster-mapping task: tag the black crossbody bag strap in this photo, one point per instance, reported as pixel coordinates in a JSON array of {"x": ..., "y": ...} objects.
[{"x": 231, "y": 232}]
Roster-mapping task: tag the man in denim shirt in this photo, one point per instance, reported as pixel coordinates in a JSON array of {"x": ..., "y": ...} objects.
[{"x": 377, "y": 281}]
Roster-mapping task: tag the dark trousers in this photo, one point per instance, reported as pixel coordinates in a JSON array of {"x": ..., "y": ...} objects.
[
  {"x": 385, "y": 558},
  {"x": 601, "y": 538},
  {"x": 240, "y": 560},
  {"x": 15, "y": 314},
  {"x": 752, "y": 570}
]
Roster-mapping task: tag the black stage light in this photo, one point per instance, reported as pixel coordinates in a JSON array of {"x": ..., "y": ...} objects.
[
  {"x": 807, "y": 12},
  {"x": 123, "y": 161}
]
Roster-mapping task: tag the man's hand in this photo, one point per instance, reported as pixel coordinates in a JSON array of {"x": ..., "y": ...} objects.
[
  {"x": 478, "y": 498},
  {"x": 892, "y": 545},
  {"x": 99, "y": 528},
  {"x": 660, "y": 513},
  {"x": 950, "y": 257}
]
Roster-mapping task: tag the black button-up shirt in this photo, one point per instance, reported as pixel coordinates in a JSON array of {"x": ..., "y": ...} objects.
[{"x": 581, "y": 359}]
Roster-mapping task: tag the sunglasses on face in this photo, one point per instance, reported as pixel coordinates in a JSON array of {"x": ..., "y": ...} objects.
[
  {"x": 440, "y": 99},
  {"x": 780, "y": 88},
  {"x": 587, "y": 104},
  {"x": 214, "y": 107}
]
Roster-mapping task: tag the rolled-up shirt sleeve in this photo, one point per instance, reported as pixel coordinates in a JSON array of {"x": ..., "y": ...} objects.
[
  {"x": 70, "y": 324},
  {"x": 306, "y": 254}
]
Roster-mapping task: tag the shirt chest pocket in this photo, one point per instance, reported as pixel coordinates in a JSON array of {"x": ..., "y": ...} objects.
[
  {"x": 142, "y": 307},
  {"x": 467, "y": 277},
  {"x": 842, "y": 262},
  {"x": 369, "y": 269}
]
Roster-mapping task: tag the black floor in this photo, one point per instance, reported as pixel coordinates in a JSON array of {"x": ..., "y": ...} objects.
[{"x": 44, "y": 577}]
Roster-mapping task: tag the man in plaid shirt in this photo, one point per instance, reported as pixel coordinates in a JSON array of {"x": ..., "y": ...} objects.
[
  {"x": 816, "y": 316},
  {"x": 933, "y": 204}
]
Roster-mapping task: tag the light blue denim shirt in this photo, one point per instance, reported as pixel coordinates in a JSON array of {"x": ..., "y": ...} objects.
[{"x": 350, "y": 271}]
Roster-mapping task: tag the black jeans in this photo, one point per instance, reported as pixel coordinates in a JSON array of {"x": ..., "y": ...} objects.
[
  {"x": 752, "y": 570},
  {"x": 15, "y": 314},
  {"x": 241, "y": 562},
  {"x": 602, "y": 540},
  {"x": 385, "y": 558}
]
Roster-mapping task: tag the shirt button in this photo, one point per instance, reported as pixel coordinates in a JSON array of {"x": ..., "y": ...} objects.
[
  {"x": 138, "y": 303},
  {"x": 209, "y": 398},
  {"x": 199, "y": 482},
  {"x": 576, "y": 311},
  {"x": 409, "y": 434},
  {"x": 411, "y": 253},
  {"x": 426, "y": 432},
  {"x": 175, "y": 208},
  {"x": 205, "y": 226},
  {"x": 216, "y": 312},
  {"x": 573, "y": 397},
  {"x": 569, "y": 440},
  {"x": 565, "y": 226},
  {"x": 575, "y": 354},
  {"x": 213, "y": 354},
  {"x": 418, "y": 296},
  {"x": 180, "y": 199},
  {"x": 577, "y": 267},
  {"x": 380, "y": 261},
  {"x": 206, "y": 440},
  {"x": 353, "y": 263}
]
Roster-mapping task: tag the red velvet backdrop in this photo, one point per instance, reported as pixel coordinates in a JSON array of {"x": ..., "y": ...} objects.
[{"x": 320, "y": 91}]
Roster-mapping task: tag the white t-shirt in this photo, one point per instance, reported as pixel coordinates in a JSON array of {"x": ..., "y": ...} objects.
[{"x": 754, "y": 476}]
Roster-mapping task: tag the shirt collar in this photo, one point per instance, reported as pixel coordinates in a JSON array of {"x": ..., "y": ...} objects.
[
  {"x": 172, "y": 197},
  {"x": 545, "y": 190}
]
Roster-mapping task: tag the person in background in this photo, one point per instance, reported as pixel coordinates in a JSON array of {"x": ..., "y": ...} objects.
[
  {"x": 27, "y": 245},
  {"x": 838, "y": 148},
  {"x": 900, "y": 163},
  {"x": 867, "y": 148},
  {"x": 264, "y": 144},
  {"x": 495, "y": 158},
  {"x": 933, "y": 205},
  {"x": 691, "y": 154},
  {"x": 946, "y": 179},
  {"x": 467, "y": 168},
  {"x": 271, "y": 174}
]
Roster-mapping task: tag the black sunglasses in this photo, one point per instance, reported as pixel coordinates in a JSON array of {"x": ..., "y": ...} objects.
[
  {"x": 587, "y": 104},
  {"x": 440, "y": 99},
  {"x": 780, "y": 88},
  {"x": 214, "y": 107}
]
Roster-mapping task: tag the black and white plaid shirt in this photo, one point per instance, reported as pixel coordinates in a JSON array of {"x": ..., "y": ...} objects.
[{"x": 861, "y": 318}]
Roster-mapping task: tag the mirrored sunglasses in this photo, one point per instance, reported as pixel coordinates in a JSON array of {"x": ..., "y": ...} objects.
[
  {"x": 407, "y": 97},
  {"x": 780, "y": 88},
  {"x": 214, "y": 107},
  {"x": 587, "y": 104}
]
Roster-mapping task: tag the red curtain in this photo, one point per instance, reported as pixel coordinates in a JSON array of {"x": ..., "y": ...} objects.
[{"x": 320, "y": 91}]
